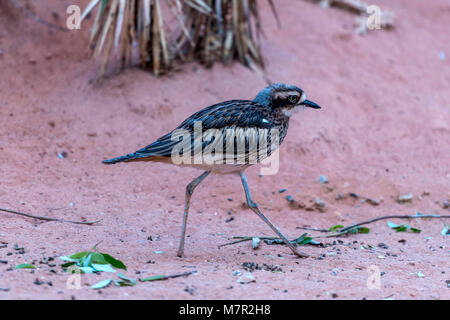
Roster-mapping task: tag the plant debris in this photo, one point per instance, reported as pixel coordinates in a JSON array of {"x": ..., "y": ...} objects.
[
  {"x": 164, "y": 277},
  {"x": 208, "y": 31},
  {"x": 402, "y": 227},
  {"x": 25, "y": 266},
  {"x": 92, "y": 262}
]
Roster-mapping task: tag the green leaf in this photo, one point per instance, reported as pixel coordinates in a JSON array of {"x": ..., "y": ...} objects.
[
  {"x": 363, "y": 230},
  {"x": 122, "y": 276},
  {"x": 338, "y": 226},
  {"x": 103, "y": 267},
  {"x": 402, "y": 227},
  {"x": 303, "y": 239},
  {"x": 25, "y": 266},
  {"x": 79, "y": 255},
  {"x": 154, "y": 278},
  {"x": 68, "y": 264},
  {"x": 65, "y": 258},
  {"x": 114, "y": 262},
  {"x": 358, "y": 229},
  {"x": 87, "y": 269},
  {"x": 101, "y": 284},
  {"x": 86, "y": 260},
  {"x": 392, "y": 225},
  {"x": 125, "y": 281},
  {"x": 98, "y": 258}
]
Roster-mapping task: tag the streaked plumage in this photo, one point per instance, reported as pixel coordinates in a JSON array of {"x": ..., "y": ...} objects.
[{"x": 227, "y": 137}]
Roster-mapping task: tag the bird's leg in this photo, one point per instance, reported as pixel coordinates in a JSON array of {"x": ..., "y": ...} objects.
[
  {"x": 254, "y": 207},
  {"x": 189, "y": 191}
]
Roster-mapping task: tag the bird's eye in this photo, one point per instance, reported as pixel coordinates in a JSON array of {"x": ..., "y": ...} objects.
[{"x": 293, "y": 99}]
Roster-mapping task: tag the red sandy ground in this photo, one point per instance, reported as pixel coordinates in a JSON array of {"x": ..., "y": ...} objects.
[{"x": 383, "y": 131}]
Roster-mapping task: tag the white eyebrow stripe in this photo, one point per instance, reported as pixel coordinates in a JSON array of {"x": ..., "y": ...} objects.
[{"x": 303, "y": 97}]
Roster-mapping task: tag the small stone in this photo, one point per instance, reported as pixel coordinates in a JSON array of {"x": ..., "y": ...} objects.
[
  {"x": 354, "y": 195},
  {"x": 383, "y": 246},
  {"x": 63, "y": 154},
  {"x": 246, "y": 278},
  {"x": 255, "y": 242},
  {"x": 323, "y": 179},
  {"x": 446, "y": 204},
  {"x": 373, "y": 202},
  {"x": 405, "y": 198},
  {"x": 319, "y": 203},
  {"x": 290, "y": 198},
  {"x": 420, "y": 275},
  {"x": 281, "y": 190}
]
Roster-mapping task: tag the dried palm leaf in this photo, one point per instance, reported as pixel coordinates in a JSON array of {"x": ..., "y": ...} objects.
[
  {"x": 223, "y": 30},
  {"x": 208, "y": 30},
  {"x": 121, "y": 23}
]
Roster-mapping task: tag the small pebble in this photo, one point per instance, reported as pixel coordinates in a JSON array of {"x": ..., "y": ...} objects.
[
  {"x": 290, "y": 198},
  {"x": 323, "y": 179},
  {"x": 373, "y": 202},
  {"x": 246, "y": 278},
  {"x": 62, "y": 154},
  {"x": 282, "y": 190},
  {"x": 405, "y": 198}
]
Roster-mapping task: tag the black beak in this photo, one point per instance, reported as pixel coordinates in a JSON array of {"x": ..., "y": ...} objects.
[{"x": 310, "y": 104}]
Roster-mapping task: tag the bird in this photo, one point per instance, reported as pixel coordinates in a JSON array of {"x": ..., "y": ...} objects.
[{"x": 227, "y": 138}]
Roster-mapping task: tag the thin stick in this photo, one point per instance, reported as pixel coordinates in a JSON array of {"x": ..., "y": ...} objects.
[
  {"x": 37, "y": 18},
  {"x": 340, "y": 232},
  {"x": 393, "y": 217},
  {"x": 164, "y": 277},
  {"x": 180, "y": 275},
  {"x": 46, "y": 218}
]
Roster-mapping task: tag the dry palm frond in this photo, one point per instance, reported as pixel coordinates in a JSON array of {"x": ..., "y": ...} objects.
[
  {"x": 223, "y": 30},
  {"x": 124, "y": 23},
  {"x": 209, "y": 30}
]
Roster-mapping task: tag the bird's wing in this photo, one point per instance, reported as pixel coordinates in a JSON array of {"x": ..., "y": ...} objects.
[
  {"x": 247, "y": 120},
  {"x": 222, "y": 116}
]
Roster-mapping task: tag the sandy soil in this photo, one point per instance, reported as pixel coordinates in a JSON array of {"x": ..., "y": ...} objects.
[{"x": 383, "y": 131}]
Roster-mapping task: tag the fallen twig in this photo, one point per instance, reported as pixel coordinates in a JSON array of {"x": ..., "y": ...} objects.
[
  {"x": 47, "y": 218},
  {"x": 37, "y": 18},
  {"x": 350, "y": 229},
  {"x": 164, "y": 277},
  {"x": 394, "y": 217}
]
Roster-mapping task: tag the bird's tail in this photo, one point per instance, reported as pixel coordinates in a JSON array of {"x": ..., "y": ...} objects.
[{"x": 125, "y": 158}]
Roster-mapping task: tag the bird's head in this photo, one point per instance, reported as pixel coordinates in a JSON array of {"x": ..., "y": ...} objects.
[{"x": 285, "y": 98}]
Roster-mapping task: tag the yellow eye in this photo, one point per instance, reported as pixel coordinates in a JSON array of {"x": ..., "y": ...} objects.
[{"x": 293, "y": 99}]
